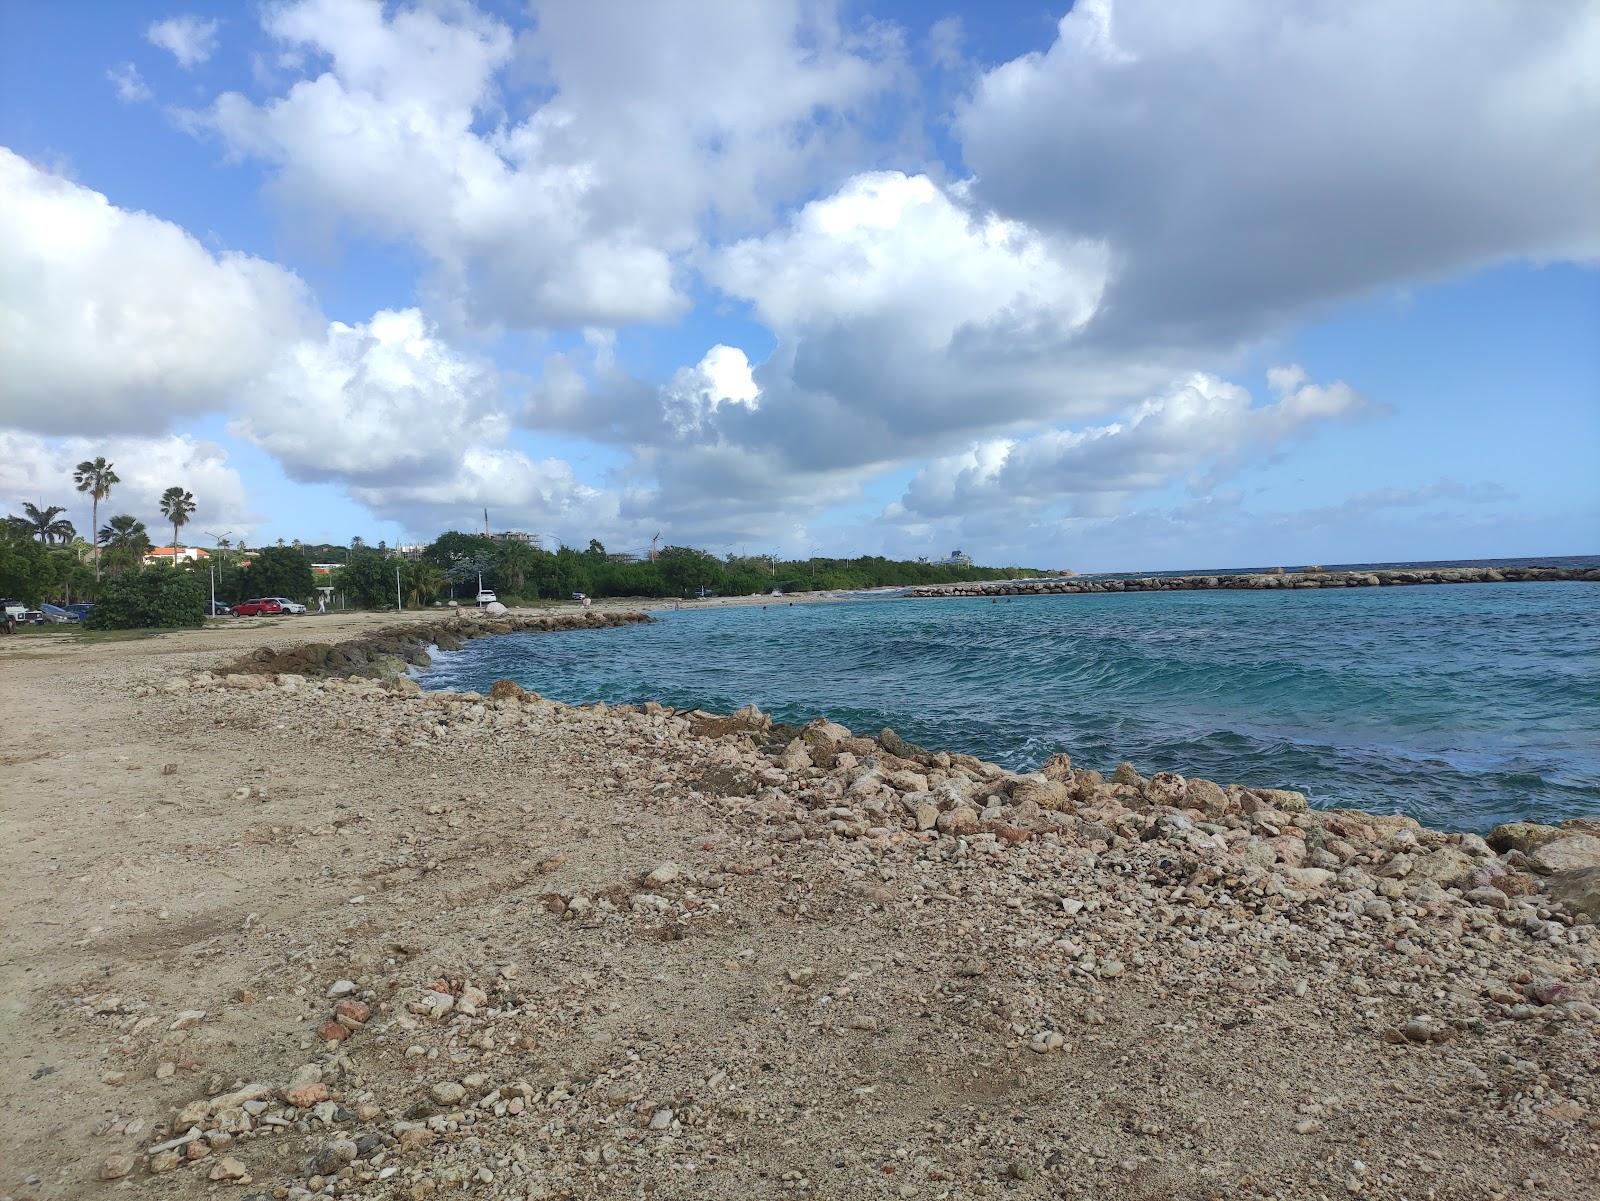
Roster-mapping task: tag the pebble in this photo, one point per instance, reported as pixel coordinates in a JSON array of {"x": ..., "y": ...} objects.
[
  {"x": 115, "y": 1167},
  {"x": 661, "y": 1120},
  {"x": 341, "y": 988},
  {"x": 448, "y": 1092},
  {"x": 666, "y": 873}
]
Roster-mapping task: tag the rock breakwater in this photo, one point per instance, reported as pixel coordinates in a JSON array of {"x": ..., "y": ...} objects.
[
  {"x": 1263, "y": 581},
  {"x": 388, "y": 654}
]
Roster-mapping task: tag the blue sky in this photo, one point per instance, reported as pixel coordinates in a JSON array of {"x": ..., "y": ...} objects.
[{"x": 1100, "y": 287}]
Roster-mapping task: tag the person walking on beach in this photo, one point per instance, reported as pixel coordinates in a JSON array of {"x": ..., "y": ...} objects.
[{"x": 322, "y": 602}]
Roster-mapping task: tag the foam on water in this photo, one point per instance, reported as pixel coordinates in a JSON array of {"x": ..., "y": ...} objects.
[{"x": 1462, "y": 705}]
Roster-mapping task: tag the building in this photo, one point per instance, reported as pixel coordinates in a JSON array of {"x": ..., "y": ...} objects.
[
  {"x": 176, "y": 554},
  {"x": 621, "y": 556},
  {"x": 325, "y": 568},
  {"x": 959, "y": 558},
  {"x": 410, "y": 550},
  {"x": 521, "y": 536}
]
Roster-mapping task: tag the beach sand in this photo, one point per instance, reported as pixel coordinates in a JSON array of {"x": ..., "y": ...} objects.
[{"x": 350, "y": 940}]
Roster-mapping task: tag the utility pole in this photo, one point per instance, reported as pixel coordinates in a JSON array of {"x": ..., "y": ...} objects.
[{"x": 398, "y": 602}]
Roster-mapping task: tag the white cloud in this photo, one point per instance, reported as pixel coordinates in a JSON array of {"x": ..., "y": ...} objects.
[
  {"x": 1248, "y": 161},
  {"x": 372, "y": 403},
  {"x": 113, "y": 320},
  {"x": 1200, "y": 429},
  {"x": 905, "y": 317},
  {"x": 130, "y": 85},
  {"x": 900, "y": 252},
  {"x": 40, "y": 470},
  {"x": 658, "y": 115},
  {"x": 189, "y": 39},
  {"x": 722, "y": 377},
  {"x": 543, "y": 496}
]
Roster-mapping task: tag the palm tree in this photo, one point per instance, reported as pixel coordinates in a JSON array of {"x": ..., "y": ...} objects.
[
  {"x": 423, "y": 580},
  {"x": 126, "y": 538},
  {"x": 44, "y": 524},
  {"x": 176, "y": 505},
  {"x": 95, "y": 477}
]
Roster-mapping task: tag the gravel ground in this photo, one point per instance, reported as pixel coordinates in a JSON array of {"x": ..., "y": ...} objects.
[{"x": 280, "y": 936}]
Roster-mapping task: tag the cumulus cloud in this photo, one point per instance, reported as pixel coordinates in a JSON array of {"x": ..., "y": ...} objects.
[
  {"x": 384, "y": 401},
  {"x": 1248, "y": 161},
  {"x": 39, "y": 469},
  {"x": 130, "y": 85},
  {"x": 722, "y": 377},
  {"x": 1200, "y": 428},
  {"x": 902, "y": 313},
  {"x": 544, "y": 496},
  {"x": 574, "y": 215},
  {"x": 113, "y": 320},
  {"x": 188, "y": 39}
]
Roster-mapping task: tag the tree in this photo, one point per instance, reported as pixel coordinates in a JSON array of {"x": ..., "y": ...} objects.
[
  {"x": 27, "y": 571},
  {"x": 95, "y": 477},
  {"x": 686, "y": 569},
  {"x": 127, "y": 540},
  {"x": 156, "y": 598},
  {"x": 177, "y": 505},
  {"x": 277, "y": 571},
  {"x": 368, "y": 579},
  {"x": 423, "y": 581},
  {"x": 44, "y": 524}
]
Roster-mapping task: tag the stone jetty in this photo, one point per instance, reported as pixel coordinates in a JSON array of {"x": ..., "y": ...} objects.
[
  {"x": 1309, "y": 578},
  {"x": 387, "y": 654}
]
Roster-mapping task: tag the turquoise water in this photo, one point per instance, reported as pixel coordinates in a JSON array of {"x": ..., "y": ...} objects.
[{"x": 1462, "y": 705}]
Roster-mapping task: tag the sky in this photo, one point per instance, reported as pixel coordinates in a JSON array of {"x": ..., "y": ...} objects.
[{"x": 1113, "y": 285}]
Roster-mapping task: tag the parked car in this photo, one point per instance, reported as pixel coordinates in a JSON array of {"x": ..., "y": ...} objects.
[
  {"x": 218, "y": 609},
  {"x": 486, "y": 597},
  {"x": 81, "y": 608},
  {"x": 14, "y": 609},
  {"x": 58, "y": 614},
  {"x": 34, "y": 617},
  {"x": 261, "y": 605},
  {"x": 287, "y": 605}
]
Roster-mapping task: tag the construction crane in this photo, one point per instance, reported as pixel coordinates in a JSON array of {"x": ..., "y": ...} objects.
[{"x": 654, "y": 553}]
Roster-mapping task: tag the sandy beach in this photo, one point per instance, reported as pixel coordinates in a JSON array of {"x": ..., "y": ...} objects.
[{"x": 290, "y": 935}]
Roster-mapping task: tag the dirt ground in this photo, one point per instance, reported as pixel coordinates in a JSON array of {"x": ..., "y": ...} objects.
[{"x": 583, "y": 954}]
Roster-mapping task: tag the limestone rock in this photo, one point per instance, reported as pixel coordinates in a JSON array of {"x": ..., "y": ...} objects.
[
  {"x": 963, "y": 819},
  {"x": 506, "y": 690},
  {"x": 1578, "y": 890},
  {"x": 1520, "y": 836},
  {"x": 1566, "y": 853}
]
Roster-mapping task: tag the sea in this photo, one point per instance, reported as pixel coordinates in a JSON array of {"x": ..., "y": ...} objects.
[{"x": 1461, "y": 705}]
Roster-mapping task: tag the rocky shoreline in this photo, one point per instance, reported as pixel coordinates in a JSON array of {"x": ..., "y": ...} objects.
[
  {"x": 1265, "y": 581},
  {"x": 505, "y": 947},
  {"x": 387, "y": 655}
]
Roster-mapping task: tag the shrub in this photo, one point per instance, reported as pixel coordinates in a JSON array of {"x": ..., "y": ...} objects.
[{"x": 159, "y": 598}]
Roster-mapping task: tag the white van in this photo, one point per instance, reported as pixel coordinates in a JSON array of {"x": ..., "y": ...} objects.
[{"x": 486, "y": 597}]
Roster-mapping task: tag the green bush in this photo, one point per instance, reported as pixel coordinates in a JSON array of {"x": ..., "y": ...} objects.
[{"x": 160, "y": 597}]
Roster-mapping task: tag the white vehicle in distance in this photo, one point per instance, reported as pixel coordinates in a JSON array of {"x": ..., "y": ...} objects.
[
  {"x": 287, "y": 605},
  {"x": 486, "y": 597}
]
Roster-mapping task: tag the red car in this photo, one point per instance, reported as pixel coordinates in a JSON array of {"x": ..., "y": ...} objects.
[{"x": 255, "y": 608}]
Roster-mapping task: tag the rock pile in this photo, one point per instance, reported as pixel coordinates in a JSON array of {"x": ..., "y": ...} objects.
[
  {"x": 387, "y": 655},
  {"x": 1310, "y": 578}
]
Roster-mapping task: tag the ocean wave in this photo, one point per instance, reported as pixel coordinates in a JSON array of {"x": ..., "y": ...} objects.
[{"x": 1458, "y": 706}]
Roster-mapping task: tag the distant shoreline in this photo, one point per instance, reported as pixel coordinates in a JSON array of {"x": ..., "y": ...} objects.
[{"x": 1265, "y": 581}]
